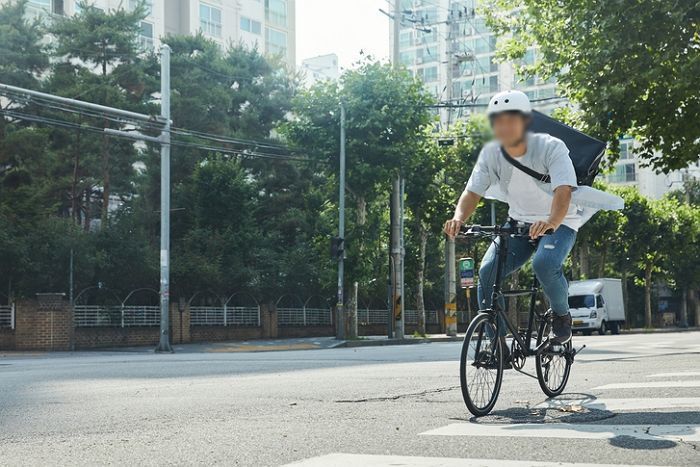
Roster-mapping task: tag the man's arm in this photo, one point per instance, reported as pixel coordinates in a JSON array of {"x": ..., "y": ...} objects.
[
  {"x": 466, "y": 206},
  {"x": 560, "y": 206}
]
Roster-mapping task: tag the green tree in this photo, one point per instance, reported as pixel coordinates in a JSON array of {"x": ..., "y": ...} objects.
[
  {"x": 630, "y": 66},
  {"x": 683, "y": 269},
  {"x": 96, "y": 58},
  {"x": 386, "y": 112},
  {"x": 21, "y": 47},
  {"x": 435, "y": 178},
  {"x": 690, "y": 193}
]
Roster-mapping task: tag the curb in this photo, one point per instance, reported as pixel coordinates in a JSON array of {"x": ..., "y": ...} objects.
[
  {"x": 383, "y": 342},
  {"x": 657, "y": 330}
]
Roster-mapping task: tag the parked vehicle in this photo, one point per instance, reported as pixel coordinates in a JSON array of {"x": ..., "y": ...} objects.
[{"x": 597, "y": 305}]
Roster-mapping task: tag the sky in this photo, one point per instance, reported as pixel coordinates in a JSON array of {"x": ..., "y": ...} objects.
[{"x": 343, "y": 27}]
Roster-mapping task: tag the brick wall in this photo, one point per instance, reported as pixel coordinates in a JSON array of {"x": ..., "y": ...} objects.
[
  {"x": 224, "y": 333},
  {"x": 7, "y": 339},
  {"x": 306, "y": 331},
  {"x": 380, "y": 329},
  {"x": 42, "y": 326},
  {"x": 101, "y": 337},
  {"x": 180, "y": 331}
]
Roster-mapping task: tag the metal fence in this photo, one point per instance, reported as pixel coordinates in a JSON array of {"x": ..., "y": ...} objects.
[
  {"x": 7, "y": 316},
  {"x": 304, "y": 316},
  {"x": 373, "y": 316},
  {"x": 224, "y": 316},
  {"x": 368, "y": 316},
  {"x": 115, "y": 315}
]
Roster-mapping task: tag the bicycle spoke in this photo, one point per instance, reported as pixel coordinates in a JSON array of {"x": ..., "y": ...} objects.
[{"x": 482, "y": 365}]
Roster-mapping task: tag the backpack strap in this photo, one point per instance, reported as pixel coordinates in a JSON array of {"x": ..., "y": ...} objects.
[{"x": 533, "y": 173}]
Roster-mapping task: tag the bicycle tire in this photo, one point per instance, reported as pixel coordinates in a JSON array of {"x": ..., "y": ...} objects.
[
  {"x": 492, "y": 356},
  {"x": 543, "y": 375}
]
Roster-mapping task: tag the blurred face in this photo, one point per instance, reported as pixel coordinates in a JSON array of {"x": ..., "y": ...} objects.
[{"x": 509, "y": 128}]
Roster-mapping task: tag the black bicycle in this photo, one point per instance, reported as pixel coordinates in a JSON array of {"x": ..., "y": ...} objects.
[{"x": 484, "y": 354}]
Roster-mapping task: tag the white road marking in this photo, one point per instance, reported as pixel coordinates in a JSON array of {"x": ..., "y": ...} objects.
[
  {"x": 353, "y": 460},
  {"x": 572, "y": 431},
  {"x": 675, "y": 375},
  {"x": 651, "y": 384},
  {"x": 625, "y": 404}
]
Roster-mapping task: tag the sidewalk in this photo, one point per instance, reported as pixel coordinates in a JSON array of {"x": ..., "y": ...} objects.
[
  {"x": 308, "y": 343},
  {"x": 301, "y": 343}
]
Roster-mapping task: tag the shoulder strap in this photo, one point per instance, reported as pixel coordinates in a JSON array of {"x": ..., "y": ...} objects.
[{"x": 533, "y": 173}]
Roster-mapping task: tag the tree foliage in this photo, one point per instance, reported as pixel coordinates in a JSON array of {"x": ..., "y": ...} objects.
[{"x": 630, "y": 65}]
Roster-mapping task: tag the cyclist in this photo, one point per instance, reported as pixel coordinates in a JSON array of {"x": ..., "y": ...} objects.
[{"x": 547, "y": 206}]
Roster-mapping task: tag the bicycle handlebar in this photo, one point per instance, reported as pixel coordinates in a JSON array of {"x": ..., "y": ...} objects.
[{"x": 518, "y": 229}]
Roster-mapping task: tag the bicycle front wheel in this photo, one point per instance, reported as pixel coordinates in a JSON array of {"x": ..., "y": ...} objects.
[
  {"x": 481, "y": 365},
  {"x": 554, "y": 364}
]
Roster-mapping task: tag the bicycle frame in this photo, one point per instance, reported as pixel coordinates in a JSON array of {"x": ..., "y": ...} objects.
[{"x": 501, "y": 317}]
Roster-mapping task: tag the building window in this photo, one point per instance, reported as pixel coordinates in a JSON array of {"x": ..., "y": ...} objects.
[
  {"x": 251, "y": 25},
  {"x": 623, "y": 173},
  {"x": 276, "y": 41},
  {"x": 146, "y": 37},
  {"x": 276, "y": 12},
  {"x": 77, "y": 9},
  {"x": 210, "y": 20},
  {"x": 406, "y": 38},
  {"x": 36, "y": 7},
  {"x": 430, "y": 74},
  {"x": 626, "y": 148},
  {"x": 148, "y": 4}
]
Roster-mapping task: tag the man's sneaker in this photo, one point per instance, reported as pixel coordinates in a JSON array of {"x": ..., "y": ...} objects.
[{"x": 561, "y": 328}]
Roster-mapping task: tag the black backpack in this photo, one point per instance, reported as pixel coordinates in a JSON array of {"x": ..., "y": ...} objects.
[{"x": 585, "y": 151}]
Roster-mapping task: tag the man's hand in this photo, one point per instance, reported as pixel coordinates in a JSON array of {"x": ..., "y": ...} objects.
[
  {"x": 539, "y": 228},
  {"x": 452, "y": 227}
]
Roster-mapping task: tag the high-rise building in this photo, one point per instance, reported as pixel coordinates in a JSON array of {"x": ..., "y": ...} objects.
[
  {"x": 630, "y": 171},
  {"x": 320, "y": 68},
  {"x": 267, "y": 24},
  {"x": 449, "y": 46}
]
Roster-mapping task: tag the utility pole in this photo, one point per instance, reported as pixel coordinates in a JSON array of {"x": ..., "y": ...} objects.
[
  {"x": 450, "y": 260},
  {"x": 397, "y": 301},
  {"x": 70, "y": 279},
  {"x": 449, "y": 74},
  {"x": 340, "y": 306},
  {"x": 451, "y": 290},
  {"x": 164, "y": 344}
]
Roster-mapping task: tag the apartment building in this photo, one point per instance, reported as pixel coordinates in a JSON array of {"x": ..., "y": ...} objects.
[
  {"x": 266, "y": 24},
  {"x": 449, "y": 46},
  {"x": 320, "y": 68},
  {"x": 630, "y": 171}
]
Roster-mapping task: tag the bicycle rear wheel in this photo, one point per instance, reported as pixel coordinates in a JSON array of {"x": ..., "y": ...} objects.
[
  {"x": 554, "y": 364},
  {"x": 481, "y": 365}
]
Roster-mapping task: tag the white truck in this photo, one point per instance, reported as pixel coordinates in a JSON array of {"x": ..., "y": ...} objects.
[{"x": 597, "y": 305}]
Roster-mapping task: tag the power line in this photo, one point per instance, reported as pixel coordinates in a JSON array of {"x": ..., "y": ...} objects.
[
  {"x": 154, "y": 126},
  {"x": 246, "y": 152}
]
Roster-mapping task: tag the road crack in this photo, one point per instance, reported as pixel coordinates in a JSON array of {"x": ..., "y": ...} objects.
[{"x": 398, "y": 396}]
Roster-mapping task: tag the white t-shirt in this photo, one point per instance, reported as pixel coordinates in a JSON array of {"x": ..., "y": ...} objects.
[{"x": 528, "y": 203}]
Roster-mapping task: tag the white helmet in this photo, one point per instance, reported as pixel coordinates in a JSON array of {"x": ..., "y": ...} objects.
[{"x": 509, "y": 101}]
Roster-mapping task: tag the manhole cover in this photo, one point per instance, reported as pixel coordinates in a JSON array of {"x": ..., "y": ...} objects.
[{"x": 563, "y": 414}]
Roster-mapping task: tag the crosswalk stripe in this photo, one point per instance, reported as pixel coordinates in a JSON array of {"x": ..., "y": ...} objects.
[
  {"x": 571, "y": 430},
  {"x": 624, "y": 404},
  {"x": 651, "y": 384},
  {"x": 353, "y": 460},
  {"x": 675, "y": 375}
]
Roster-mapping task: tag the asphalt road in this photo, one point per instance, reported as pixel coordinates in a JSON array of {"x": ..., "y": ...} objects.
[{"x": 380, "y": 406}]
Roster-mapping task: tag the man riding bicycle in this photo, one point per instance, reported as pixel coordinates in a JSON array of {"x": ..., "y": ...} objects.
[{"x": 546, "y": 204}]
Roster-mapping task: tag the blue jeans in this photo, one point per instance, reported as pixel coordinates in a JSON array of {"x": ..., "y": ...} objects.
[{"x": 548, "y": 263}]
